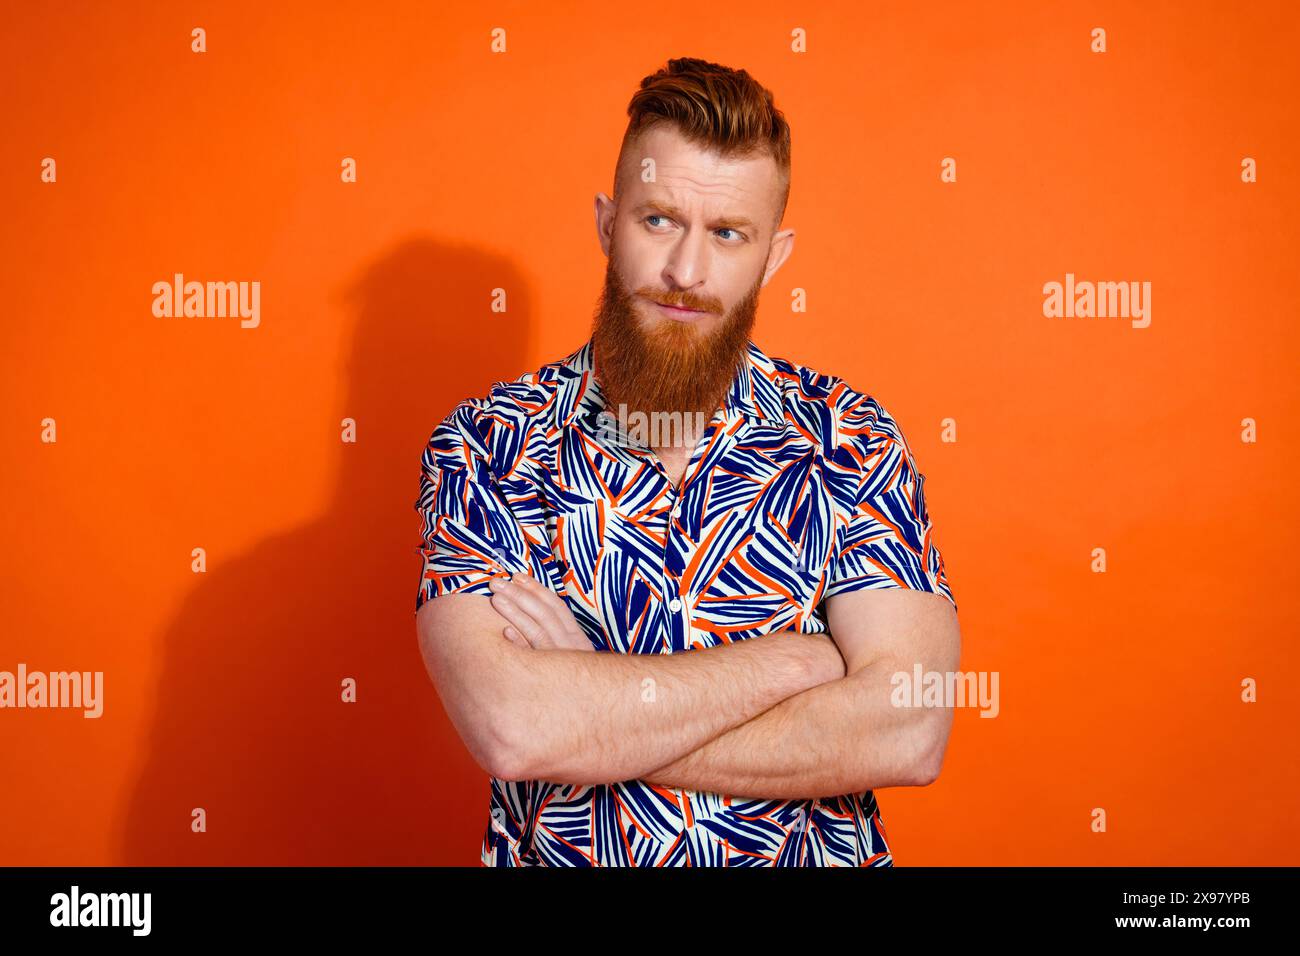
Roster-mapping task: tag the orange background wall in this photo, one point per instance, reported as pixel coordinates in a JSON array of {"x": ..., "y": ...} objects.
[{"x": 477, "y": 170}]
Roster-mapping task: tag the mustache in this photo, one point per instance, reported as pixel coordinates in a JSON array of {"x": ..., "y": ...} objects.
[{"x": 681, "y": 300}]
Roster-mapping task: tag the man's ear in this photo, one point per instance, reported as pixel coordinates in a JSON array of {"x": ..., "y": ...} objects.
[
  {"x": 605, "y": 210},
  {"x": 782, "y": 246}
]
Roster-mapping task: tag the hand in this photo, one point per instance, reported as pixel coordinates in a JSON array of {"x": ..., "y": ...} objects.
[{"x": 537, "y": 617}]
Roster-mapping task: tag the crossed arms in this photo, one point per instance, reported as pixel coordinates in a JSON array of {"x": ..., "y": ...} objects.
[{"x": 781, "y": 716}]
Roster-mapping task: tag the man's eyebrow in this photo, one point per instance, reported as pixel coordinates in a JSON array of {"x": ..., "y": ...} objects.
[{"x": 668, "y": 209}]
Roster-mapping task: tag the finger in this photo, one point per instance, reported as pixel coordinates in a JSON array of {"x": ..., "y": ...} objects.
[
  {"x": 538, "y": 605},
  {"x": 504, "y": 596},
  {"x": 534, "y": 634},
  {"x": 537, "y": 588},
  {"x": 514, "y": 636},
  {"x": 509, "y": 608},
  {"x": 556, "y": 607},
  {"x": 528, "y": 594},
  {"x": 523, "y": 623},
  {"x": 550, "y": 604}
]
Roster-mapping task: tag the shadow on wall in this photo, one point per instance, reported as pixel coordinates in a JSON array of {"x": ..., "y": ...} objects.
[{"x": 249, "y": 724}]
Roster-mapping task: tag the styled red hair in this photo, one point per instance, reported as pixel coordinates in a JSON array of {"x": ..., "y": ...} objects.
[{"x": 714, "y": 107}]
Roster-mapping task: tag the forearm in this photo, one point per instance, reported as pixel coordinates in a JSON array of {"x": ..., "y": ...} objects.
[
  {"x": 843, "y": 736},
  {"x": 584, "y": 717}
]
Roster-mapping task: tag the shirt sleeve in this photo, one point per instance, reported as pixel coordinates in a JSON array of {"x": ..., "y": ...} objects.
[
  {"x": 469, "y": 534},
  {"x": 888, "y": 541}
]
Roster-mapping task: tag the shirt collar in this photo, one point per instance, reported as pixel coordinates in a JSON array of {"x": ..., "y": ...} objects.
[{"x": 755, "y": 392}]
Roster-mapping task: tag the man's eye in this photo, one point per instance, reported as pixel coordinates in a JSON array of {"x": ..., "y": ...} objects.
[{"x": 736, "y": 236}]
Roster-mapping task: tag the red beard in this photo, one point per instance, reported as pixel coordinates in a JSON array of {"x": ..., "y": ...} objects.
[{"x": 672, "y": 367}]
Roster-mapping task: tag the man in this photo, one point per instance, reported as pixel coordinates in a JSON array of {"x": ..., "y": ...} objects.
[{"x": 674, "y": 645}]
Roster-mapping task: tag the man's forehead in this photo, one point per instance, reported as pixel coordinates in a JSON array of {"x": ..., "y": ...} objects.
[
  {"x": 683, "y": 187},
  {"x": 683, "y": 190},
  {"x": 697, "y": 166}
]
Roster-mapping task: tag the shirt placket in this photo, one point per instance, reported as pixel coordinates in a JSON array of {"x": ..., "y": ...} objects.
[
  {"x": 676, "y": 555},
  {"x": 674, "y": 548},
  {"x": 681, "y": 538},
  {"x": 679, "y": 545}
]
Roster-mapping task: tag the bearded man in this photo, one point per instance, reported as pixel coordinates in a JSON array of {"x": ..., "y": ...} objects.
[{"x": 679, "y": 650}]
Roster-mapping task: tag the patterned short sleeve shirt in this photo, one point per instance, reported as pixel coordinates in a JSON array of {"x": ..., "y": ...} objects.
[{"x": 800, "y": 488}]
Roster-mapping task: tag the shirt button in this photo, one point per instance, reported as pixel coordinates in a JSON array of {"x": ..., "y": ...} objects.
[{"x": 675, "y": 604}]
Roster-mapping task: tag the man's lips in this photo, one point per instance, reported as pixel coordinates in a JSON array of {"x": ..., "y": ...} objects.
[{"x": 680, "y": 312}]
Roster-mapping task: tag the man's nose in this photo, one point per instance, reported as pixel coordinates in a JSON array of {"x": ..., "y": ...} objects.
[{"x": 688, "y": 262}]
